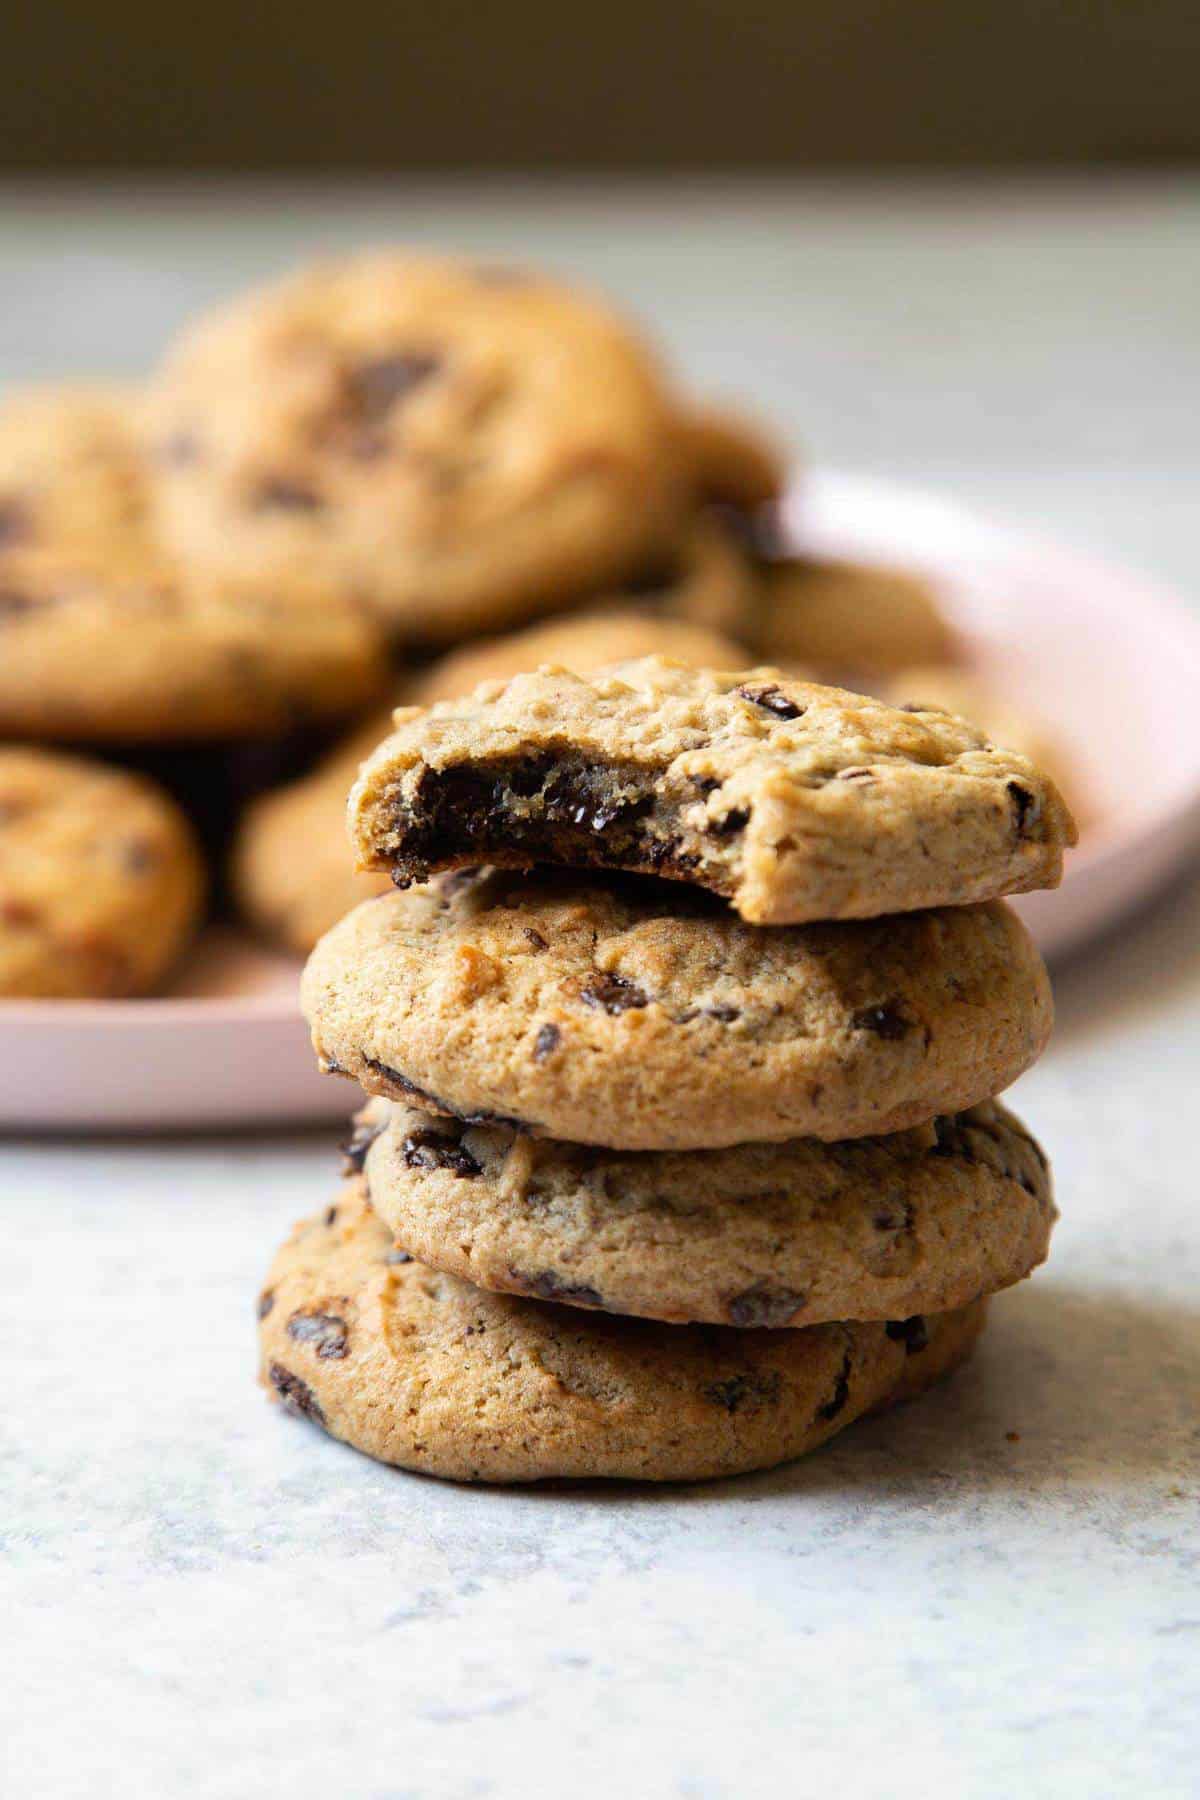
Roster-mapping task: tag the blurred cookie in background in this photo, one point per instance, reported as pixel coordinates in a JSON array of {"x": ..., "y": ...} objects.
[
  {"x": 292, "y": 869},
  {"x": 110, "y": 640},
  {"x": 732, "y": 459},
  {"x": 843, "y": 617},
  {"x": 101, "y": 880},
  {"x": 463, "y": 446},
  {"x": 70, "y": 465}
]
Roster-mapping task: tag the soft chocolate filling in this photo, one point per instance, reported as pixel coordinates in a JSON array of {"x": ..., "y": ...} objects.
[{"x": 552, "y": 809}]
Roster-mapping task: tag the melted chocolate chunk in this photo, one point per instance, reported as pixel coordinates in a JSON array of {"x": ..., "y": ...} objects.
[
  {"x": 840, "y": 1394},
  {"x": 296, "y": 1395},
  {"x": 548, "y": 1039},
  {"x": 885, "y": 1021},
  {"x": 430, "y": 1150},
  {"x": 764, "y": 1306},
  {"x": 536, "y": 940},
  {"x": 735, "y": 820},
  {"x": 724, "y": 1015},
  {"x": 1026, "y": 806},
  {"x": 279, "y": 494},
  {"x": 912, "y": 1333},
  {"x": 378, "y": 384},
  {"x": 745, "y": 1393},
  {"x": 612, "y": 993},
  {"x": 548, "y": 1285},
  {"x": 772, "y": 699},
  {"x": 324, "y": 1332},
  {"x": 266, "y": 1301}
]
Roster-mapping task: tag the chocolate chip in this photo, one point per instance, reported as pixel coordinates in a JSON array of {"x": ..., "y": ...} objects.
[
  {"x": 772, "y": 699},
  {"x": 613, "y": 993},
  {"x": 266, "y": 1301},
  {"x": 179, "y": 449},
  {"x": 548, "y": 1039},
  {"x": 296, "y": 1395},
  {"x": 430, "y": 1150},
  {"x": 378, "y": 384},
  {"x": 140, "y": 856},
  {"x": 279, "y": 494},
  {"x": 745, "y": 1393},
  {"x": 912, "y": 1333},
  {"x": 725, "y": 1015},
  {"x": 15, "y": 522},
  {"x": 535, "y": 938},
  {"x": 548, "y": 1285},
  {"x": 325, "y": 1332},
  {"x": 840, "y": 1394},
  {"x": 432, "y": 1102},
  {"x": 331, "y": 1217},
  {"x": 735, "y": 820},
  {"x": 764, "y": 1306},
  {"x": 396, "y": 1255},
  {"x": 885, "y": 1021},
  {"x": 1027, "y": 807},
  {"x": 331, "y": 1066}
]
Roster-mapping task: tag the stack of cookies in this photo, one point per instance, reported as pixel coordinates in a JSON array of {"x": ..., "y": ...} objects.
[{"x": 683, "y": 1032}]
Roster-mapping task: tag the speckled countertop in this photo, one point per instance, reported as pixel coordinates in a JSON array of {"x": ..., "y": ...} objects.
[{"x": 992, "y": 1592}]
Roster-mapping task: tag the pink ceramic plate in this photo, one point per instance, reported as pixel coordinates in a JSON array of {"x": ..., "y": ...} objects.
[{"x": 1109, "y": 660}]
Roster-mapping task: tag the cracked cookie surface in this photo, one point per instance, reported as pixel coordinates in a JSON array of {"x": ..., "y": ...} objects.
[
  {"x": 416, "y": 1368},
  {"x": 464, "y": 446},
  {"x": 642, "y": 1015},
  {"x": 101, "y": 881},
  {"x": 791, "y": 1234},
  {"x": 793, "y": 801}
]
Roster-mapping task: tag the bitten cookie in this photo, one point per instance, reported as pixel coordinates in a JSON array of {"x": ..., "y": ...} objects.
[
  {"x": 793, "y": 801},
  {"x": 293, "y": 868},
  {"x": 791, "y": 1234},
  {"x": 465, "y": 446},
  {"x": 644, "y": 1016},
  {"x": 419, "y": 1369},
  {"x": 101, "y": 883}
]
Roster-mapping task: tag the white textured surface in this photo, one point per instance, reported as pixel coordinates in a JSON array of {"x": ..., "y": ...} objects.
[{"x": 203, "y": 1598}]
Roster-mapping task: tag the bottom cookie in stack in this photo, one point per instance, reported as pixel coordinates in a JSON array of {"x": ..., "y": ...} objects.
[{"x": 417, "y": 1368}]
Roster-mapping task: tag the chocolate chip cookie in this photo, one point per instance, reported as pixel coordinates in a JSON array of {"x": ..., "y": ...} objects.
[
  {"x": 641, "y": 1015},
  {"x": 416, "y": 1368},
  {"x": 463, "y": 446},
  {"x": 798, "y": 1233},
  {"x": 101, "y": 882},
  {"x": 108, "y": 640},
  {"x": 794, "y": 801}
]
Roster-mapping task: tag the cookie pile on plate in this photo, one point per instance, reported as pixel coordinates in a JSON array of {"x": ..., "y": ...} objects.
[
  {"x": 683, "y": 1030},
  {"x": 386, "y": 477}
]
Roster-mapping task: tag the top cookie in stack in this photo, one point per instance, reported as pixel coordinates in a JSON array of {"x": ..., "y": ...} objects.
[{"x": 792, "y": 801}]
